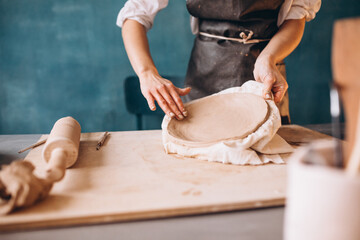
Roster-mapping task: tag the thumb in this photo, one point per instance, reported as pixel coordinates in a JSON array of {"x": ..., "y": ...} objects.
[
  {"x": 268, "y": 83},
  {"x": 183, "y": 91},
  {"x": 278, "y": 96}
]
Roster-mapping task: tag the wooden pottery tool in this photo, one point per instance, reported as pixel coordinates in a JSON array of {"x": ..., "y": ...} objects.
[
  {"x": 353, "y": 167},
  {"x": 346, "y": 73},
  {"x": 20, "y": 187},
  {"x": 33, "y": 146}
]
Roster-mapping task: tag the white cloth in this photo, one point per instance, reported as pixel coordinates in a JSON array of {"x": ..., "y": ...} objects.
[
  {"x": 260, "y": 147},
  {"x": 144, "y": 11}
]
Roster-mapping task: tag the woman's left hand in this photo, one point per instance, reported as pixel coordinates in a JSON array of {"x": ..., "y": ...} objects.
[
  {"x": 279, "y": 47},
  {"x": 266, "y": 72}
]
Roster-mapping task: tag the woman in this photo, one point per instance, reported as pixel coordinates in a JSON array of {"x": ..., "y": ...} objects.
[{"x": 236, "y": 41}]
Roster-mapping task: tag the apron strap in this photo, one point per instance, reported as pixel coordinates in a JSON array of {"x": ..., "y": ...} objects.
[{"x": 245, "y": 39}]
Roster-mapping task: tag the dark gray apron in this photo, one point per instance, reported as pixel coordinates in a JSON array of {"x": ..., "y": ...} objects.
[{"x": 217, "y": 64}]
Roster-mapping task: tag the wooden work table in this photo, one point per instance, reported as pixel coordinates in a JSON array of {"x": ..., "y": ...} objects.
[{"x": 265, "y": 223}]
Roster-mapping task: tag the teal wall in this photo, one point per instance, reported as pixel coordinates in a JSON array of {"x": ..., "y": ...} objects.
[
  {"x": 309, "y": 66},
  {"x": 66, "y": 57}
]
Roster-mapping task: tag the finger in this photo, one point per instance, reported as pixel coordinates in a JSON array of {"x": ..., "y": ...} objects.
[
  {"x": 256, "y": 76},
  {"x": 23, "y": 198},
  {"x": 268, "y": 83},
  {"x": 279, "y": 93},
  {"x": 183, "y": 91},
  {"x": 163, "y": 104},
  {"x": 8, "y": 206},
  {"x": 164, "y": 91},
  {"x": 178, "y": 101},
  {"x": 151, "y": 101},
  {"x": 19, "y": 195}
]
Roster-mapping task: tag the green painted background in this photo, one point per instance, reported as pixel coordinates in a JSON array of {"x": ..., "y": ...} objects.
[{"x": 66, "y": 57}]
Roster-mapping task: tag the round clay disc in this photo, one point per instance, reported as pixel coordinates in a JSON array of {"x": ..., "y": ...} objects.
[{"x": 220, "y": 117}]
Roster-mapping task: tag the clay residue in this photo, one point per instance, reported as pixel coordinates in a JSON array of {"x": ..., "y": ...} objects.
[
  {"x": 191, "y": 191},
  {"x": 19, "y": 187}
]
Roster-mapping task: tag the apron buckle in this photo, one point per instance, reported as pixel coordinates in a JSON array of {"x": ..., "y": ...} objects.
[{"x": 245, "y": 36}]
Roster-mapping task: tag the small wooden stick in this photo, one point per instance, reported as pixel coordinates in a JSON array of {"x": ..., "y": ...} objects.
[
  {"x": 33, "y": 146},
  {"x": 102, "y": 140}
]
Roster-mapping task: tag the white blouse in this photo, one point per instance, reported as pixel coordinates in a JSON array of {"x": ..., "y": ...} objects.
[{"x": 144, "y": 11}]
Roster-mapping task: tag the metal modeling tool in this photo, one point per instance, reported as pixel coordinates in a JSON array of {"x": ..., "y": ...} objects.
[
  {"x": 102, "y": 140},
  {"x": 335, "y": 126}
]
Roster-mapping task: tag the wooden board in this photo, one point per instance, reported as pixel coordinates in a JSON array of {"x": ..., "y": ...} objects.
[{"x": 132, "y": 178}]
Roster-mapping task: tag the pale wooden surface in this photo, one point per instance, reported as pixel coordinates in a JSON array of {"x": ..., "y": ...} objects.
[{"x": 132, "y": 178}]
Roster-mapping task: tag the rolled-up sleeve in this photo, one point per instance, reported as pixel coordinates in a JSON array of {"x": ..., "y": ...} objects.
[
  {"x": 297, "y": 9},
  {"x": 143, "y": 11}
]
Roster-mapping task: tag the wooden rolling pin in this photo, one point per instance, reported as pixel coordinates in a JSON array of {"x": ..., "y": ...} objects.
[{"x": 61, "y": 148}]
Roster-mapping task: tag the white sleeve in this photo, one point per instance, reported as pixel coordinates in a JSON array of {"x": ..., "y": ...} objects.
[
  {"x": 194, "y": 24},
  {"x": 143, "y": 11},
  {"x": 297, "y": 9}
]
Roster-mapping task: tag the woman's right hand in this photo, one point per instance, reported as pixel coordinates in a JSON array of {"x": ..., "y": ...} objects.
[{"x": 154, "y": 87}]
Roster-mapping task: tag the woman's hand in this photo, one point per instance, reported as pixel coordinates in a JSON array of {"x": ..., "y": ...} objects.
[
  {"x": 154, "y": 87},
  {"x": 266, "y": 72},
  {"x": 279, "y": 47}
]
